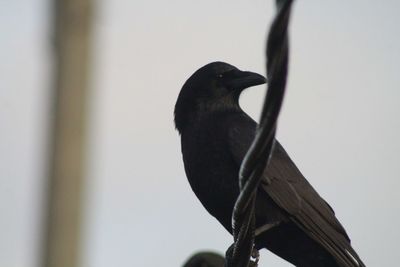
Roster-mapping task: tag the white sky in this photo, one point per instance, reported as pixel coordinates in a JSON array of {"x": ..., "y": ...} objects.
[{"x": 340, "y": 122}]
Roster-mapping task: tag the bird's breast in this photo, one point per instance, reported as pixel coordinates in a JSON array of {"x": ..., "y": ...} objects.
[{"x": 210, "y": 169}]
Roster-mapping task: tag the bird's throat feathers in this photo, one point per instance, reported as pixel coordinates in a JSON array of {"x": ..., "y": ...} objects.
[
  {"x": 224, "y": 103},
  {"x": 194, "y": 111}
]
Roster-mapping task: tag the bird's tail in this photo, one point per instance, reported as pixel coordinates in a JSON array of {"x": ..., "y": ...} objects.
[{"x": 338, "y": 245}]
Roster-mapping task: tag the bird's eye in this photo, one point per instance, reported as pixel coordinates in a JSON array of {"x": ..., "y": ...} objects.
[{"x": 220, "y": 76}]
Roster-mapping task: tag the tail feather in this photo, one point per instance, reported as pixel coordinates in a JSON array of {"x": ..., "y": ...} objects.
[{"x": 335, "y": 243}]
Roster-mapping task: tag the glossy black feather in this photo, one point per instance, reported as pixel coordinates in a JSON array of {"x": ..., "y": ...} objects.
[{"x": 215, "y": 136}]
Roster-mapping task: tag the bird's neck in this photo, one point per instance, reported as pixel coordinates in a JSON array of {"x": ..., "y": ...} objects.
[
  {"x": 225, "y": 103},
  {"x": 206, "y": 108}
]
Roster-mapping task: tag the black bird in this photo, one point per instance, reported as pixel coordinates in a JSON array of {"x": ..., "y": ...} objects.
[{"x": 292, "y": 219}]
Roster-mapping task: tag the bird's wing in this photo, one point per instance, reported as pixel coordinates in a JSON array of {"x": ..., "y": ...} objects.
[{"x": 288, "y": 188}]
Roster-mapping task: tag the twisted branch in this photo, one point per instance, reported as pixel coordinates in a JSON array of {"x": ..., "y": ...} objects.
[{"x": 259, "y": 153}]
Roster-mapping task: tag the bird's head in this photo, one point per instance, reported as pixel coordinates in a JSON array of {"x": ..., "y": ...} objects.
[{"x": 215, "y": 86}]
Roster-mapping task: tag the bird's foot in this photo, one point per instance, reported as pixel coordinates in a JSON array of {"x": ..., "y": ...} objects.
[{"x": 255, "y": 255}]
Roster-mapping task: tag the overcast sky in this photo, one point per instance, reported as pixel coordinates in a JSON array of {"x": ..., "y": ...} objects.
[{"x": 340, "y": 122}]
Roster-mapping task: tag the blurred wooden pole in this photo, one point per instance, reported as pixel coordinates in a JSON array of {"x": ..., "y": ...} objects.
[{"x": 72, "y": 26}]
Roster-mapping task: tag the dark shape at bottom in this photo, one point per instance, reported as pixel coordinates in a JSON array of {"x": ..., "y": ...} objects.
[{"x": 205, "y": 259}]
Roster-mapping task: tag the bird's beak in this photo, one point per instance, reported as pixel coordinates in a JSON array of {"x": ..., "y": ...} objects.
[{"x": 245, "y": 79}]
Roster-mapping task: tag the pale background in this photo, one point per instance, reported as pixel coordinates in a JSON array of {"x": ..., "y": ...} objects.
[{"x": 340, "y": 122}]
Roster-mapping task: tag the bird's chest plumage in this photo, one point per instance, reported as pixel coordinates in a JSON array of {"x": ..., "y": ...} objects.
[{"x": 210, "y": 168}]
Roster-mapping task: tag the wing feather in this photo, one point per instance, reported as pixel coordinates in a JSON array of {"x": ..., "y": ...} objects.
[{"x": 287, "y": 187}]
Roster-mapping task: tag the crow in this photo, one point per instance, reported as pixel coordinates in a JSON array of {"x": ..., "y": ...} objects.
[{"x": 292, "y": 220}]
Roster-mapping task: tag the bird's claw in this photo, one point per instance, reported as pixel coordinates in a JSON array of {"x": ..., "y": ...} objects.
[{"x": 255, "y": 254}]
